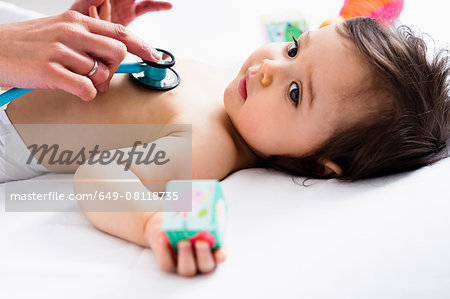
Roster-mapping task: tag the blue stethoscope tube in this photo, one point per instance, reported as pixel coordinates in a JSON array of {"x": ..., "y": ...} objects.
[{"x": 148, "y": 74}]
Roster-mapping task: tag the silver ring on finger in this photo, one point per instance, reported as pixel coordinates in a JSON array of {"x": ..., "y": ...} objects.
[{"x": 94, "y": 69}]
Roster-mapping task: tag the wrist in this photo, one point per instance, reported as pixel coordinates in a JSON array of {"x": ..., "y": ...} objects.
[{"x": 152, "y": 228}]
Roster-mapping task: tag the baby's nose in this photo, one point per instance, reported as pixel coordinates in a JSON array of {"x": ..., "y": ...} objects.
[{"x": 268, "y": 68}]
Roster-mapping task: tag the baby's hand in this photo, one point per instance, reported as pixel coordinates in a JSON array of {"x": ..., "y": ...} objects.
[{"x": 189, "y": 260}]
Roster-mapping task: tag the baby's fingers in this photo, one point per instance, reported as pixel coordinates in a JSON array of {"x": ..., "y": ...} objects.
[
  {"x": 163, "y": 254},
  {"x": 220, "y": 256},
  {"x": 186, "y": 260},
  {"x": 205, "y": 260}
]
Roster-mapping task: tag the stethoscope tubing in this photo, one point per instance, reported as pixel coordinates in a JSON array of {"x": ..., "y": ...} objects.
[{"x": 13, "y": 94}]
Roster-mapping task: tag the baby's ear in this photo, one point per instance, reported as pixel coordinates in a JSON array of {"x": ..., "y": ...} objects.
[{"x": 330, "y": 168}]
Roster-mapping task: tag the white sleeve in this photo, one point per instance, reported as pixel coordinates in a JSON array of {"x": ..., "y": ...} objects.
[{"x": 12, "y": 13}]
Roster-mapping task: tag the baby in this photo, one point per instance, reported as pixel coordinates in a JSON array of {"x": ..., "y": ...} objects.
[{"x": 348, "y": 101}]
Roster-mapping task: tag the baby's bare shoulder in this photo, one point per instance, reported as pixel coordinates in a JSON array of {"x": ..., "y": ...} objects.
[{"x": 213, "y": 153}]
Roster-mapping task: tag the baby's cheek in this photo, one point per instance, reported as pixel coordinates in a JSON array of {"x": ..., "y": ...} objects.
[{"x": 253, "y": 127}]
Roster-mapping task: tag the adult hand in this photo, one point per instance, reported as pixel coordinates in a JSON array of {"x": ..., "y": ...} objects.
[
  {"x": 122, "y": 11},
  {"x": 190, "y": 260},
  {"x": 58, "y": 52}
]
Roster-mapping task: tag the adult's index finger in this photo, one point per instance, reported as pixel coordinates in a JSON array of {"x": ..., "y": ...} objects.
[{"x": 134, "y": 43}]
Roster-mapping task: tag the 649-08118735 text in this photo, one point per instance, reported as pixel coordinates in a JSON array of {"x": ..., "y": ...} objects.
[{"x": 97, "y": 195}]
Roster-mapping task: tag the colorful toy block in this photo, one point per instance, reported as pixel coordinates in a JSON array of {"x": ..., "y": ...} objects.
[{"x": 205, "y": 222}]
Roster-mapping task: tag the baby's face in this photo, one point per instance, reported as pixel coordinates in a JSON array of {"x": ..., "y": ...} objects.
[{"x": 288, "y": 101}]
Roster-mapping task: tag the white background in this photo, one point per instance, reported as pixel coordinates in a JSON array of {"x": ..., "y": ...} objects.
[{"x": 224, "y": 32}]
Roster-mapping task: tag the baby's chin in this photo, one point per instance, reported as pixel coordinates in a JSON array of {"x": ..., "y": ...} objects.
[{"x": 228, "y": 93}]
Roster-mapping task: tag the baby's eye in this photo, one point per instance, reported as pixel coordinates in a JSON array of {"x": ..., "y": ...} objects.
[
  {"x": 294, "y": 93},
  {"x": 293, "y": 48}
]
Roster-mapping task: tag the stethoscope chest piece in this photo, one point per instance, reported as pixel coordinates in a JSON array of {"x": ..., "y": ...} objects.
[
  {"x": 158, "y": 75},
  {"x": 170, "y": 81}
]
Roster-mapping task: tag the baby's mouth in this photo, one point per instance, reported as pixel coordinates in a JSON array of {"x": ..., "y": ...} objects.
[{"x": 242, "y": 88}]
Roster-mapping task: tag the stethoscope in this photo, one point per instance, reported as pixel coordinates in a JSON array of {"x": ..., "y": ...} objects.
[{"x": 152, "y": 75}]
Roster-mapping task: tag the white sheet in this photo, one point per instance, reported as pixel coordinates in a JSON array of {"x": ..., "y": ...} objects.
[{"x": 381, "y": 238}]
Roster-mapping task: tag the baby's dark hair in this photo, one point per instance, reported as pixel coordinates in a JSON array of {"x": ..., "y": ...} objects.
[{"x": 411, "y": 128}]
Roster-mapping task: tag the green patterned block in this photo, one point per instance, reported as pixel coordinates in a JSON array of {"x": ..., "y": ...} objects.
[
  {"x": 282, "y": 27},
  {"x": 206, "y": 221}
]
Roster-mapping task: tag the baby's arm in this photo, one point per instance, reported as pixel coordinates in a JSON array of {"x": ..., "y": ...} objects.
[{"x": 144, "y": 228}]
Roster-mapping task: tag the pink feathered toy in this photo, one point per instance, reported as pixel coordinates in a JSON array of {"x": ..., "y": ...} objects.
[{"x": 384, "y": 10}]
